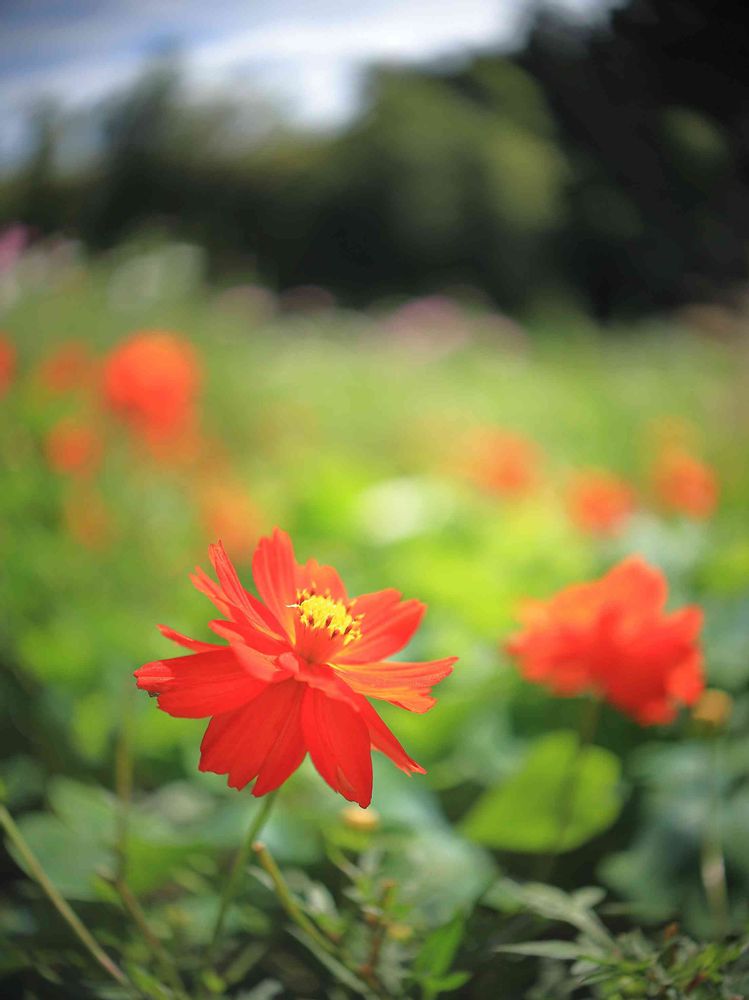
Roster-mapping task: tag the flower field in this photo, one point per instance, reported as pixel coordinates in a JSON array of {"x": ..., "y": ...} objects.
[{"x": 520, "y": 565}]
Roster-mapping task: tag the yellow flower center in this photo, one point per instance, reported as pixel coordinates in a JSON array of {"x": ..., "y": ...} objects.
[{"x": 320, "y": 611}]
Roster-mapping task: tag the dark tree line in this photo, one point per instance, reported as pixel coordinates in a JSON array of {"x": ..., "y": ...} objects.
[{"x": 606, "y": 164}]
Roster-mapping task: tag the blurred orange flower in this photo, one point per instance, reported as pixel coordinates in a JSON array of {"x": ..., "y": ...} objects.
[
  {"x": 502, "y": 462},
  {"x": 151, "y": 380},
  {"x": 685, "y": 485},
  {"x": 227, "y": 512},
  {"x": 599, "y": 503},
  {"x": 296, "y": 674},
  {"x": 69, "y": 368},
  {"x": 7, "y": 363},
  {"x": 73, "y": 446},
  {"x": 87, "y": 519},
  {"x": 612, "y": 638}
]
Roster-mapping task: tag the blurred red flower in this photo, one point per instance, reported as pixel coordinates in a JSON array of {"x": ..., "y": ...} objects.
[
  {"x": 151, "y": 380},
  {"x": 613, "y": 638},
  {"x": 227, "y": 512},
  {"x": 69, "y": 368},
  {"x": 503, "y": 462},
  {"x": 685, "y": 485},
  {"x": 7, "y": 363},
  {"x": 296, "y": 674},
  {"x": 73, "y": 446},
  {"x": 599, "y": 503},
  {"x": 87, "y": 518}
]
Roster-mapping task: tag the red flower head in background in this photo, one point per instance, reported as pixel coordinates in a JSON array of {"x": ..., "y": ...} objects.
[
  {"x": 7, "y": 363},
  {"x": 613, "y": 638},
  {"x": 74, "y": 446},
  {"x": 685, "y": 485},
  {"x": 503, "y": 462},
  {"x": 151, "y": 380},
  {"x": 599, "y": 503},
  {"x": 296, "y": 674},
  {"x": 69, "y": 368}
]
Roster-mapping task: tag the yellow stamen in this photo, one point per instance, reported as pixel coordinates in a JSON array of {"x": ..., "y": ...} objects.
[{"x": 320, "y": 611}]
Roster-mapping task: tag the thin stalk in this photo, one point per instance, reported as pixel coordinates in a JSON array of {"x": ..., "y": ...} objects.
[
  {"x": 712, "y": 863},
  {"x": 238, "y": 865},
  {"x": 290, "y": 905},
  {"x": 590, "y": 715},
  {"x": 155, "y": 946},
  {"x": 124, "y": 779},
  {"x": 60, "y": 904}
]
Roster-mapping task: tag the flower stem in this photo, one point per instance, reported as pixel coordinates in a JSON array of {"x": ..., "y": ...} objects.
[
  {"x": 240, "y": 860},
  {"x": 712, "y": 864},
  {"x": 286, "y": 899},
  {"x": 590, "y": 715},
  {"x": 59, "y": 903},
  {"x": 157, "y": 949}
]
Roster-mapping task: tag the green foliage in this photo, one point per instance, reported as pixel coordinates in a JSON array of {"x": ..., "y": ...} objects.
[
  {"x": 562, "y": 796},
  {"x": 364, "y": 470}
]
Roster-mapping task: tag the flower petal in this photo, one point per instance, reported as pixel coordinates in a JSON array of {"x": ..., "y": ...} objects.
[
  {"x": 320, "y": 578},
  {"x": 405, "y": 684},
  {"x": 339, "y": 744},
  {"x": 182, "y": 640},
  {"x": 386, "y": 626},
  {"x": 274, "y": 571},
  {"x": 263, "y": 739},
  {"x": 384, "y": 741},
  {"x": 199, "y": 685}
]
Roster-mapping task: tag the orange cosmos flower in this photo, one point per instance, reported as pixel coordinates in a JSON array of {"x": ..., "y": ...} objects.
[
  {"x": 503, "y": 462},
  {"x": 685, "y": 485},
  {"x": 599, "y": 503},
  {"x": 73, "y": 446},
  {"x": 613, "y": 638},
  {"x": 228, "y": 513},
  {"x": 69, "y": 368},
  {"x": 151, "y": 380},
  {"x": 7, "y": 363},
  {"x": 295, "y": 674}
]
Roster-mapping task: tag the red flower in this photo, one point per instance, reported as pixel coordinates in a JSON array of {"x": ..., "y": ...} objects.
[
  {"x": 7, "y": 363},
  {"x": 151, "y": 380},
  {"x": 599, "y": 503},
  {"x": 69, "y": 368},
  {"x": 613, "y": 638},
  {"x": 73, "y": 446},
  {"x": 227, "y": 512},
  {"x": 296, "y": 674},
  {"x": 503, "y": 462},
  {"x": 685, "y": 485}
]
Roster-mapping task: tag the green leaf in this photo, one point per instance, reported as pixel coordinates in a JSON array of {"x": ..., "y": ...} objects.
[
  {"x": 563, "y": 950},
  {"x": 440, "y": 947},
  {"x": 562, "y": 796},
  {"x": 552, "y": 904}
]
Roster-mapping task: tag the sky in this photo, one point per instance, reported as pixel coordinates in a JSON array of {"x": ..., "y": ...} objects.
[{"x": 307, "y": 56}]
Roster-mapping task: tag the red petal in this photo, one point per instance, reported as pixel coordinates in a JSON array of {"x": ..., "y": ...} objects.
[
  {"x": 391, "y": 679},
  {"x": 263, "y": 738},
  {"x": 384, "y": 741},
  {"x": 243, "y": 632},
  {"x": 339, "y": 745},
  {"x": 199, "y": 685},
  {"x": 274, "y": 571},
  {"x": 182, "y": 640},
  {"x": 386, "y": 628},
  {"x": 315, "y": 576}
]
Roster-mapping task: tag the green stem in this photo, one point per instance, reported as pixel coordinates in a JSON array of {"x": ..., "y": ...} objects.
[
  {"x": 590, "y": 715},
  {"x": 124, "y": 779},
  {"x": 712, "y": 864},
  {"x": 157, "y": 949},
  {"x": 238, "y": 866},
  {"x": 60, "y": 904},
  {"x": 286, "y": 899}
]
